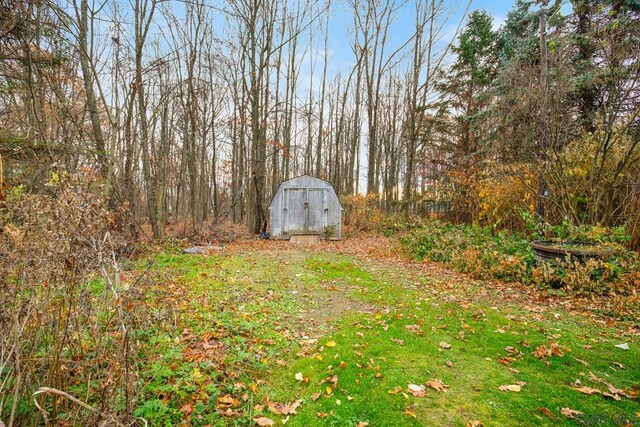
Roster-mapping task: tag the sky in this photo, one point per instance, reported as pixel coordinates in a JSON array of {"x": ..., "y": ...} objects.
[
  {"x": 340, "y": 56},
  {"x": 341, "y": 59}
]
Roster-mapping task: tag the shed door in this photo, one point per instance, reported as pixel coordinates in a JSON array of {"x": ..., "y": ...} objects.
[
  {"x": 315, "y": 210},
  {"x": 294, "y": 210}
]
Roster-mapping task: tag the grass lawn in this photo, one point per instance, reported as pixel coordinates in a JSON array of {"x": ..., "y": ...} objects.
[{"x": 253, "y": 334}]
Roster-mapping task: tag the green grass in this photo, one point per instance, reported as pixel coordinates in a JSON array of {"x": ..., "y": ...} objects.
[{"x": 264, "y": 307}]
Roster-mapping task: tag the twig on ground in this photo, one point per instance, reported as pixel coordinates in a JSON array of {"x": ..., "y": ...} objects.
[{"x": 49, "y": 390}]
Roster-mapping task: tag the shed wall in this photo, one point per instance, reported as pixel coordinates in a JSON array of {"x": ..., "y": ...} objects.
[{"x": 325, "y": 209}]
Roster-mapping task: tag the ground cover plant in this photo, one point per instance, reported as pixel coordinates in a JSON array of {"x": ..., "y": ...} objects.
[{"x": 506, "y": 255}]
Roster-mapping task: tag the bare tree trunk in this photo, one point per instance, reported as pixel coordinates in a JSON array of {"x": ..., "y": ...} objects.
[
  {"x": 143, "y": 19},
  {"x": 88, "y": 77},
  {"x": 322, "y": 96}
]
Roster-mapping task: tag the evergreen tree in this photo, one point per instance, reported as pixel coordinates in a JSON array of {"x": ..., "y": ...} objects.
[{"x": 467, "y": 89}]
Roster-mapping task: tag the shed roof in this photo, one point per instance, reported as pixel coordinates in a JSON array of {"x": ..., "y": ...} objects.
[{"x": 308, "y": 176}]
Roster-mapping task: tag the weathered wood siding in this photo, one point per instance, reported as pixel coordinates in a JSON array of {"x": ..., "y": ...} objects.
[{"x": 305, "y": 205}]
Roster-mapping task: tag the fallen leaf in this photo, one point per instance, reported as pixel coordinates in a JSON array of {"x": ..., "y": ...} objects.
[
  {"x": 396, "y": 390},
  {"x": 321, "y": 414},
  {"x": 450, "y": 364},
  {"x": 338, "y": 402},
  {"x": 316, "y": 396},
  {"x": 616, "y": 392},
  {"x": 417, "y": 390},
  {"x": 583, "y": 362},
  {"x": 587, "y": 390},
  {"x": 544, "y": 352},
  {"x": 624, "y": 346},
  {"x": 512, "y": 350},
  {"x": 226, "y": 401},
  {"x": 511, "y": 387},
  {"x": 329, "y": 390},
  {"x": 187, "y": 409},
  {"x": 230, "y": 413},
  {"x": 362, "y": 424},
  {"x": 557, "y": 349},
  {"x": 444, "y": 345},
  {"x": 546, "y": 412},
  {"x": 474, "y": 423},
  {"x": 330, "y": 343},
  {"x": 284, "y": 409},
  {"x": 407, "y": 411},
  {"x": 570, "y": 413},
  {"x": 299, "y": 376},
  {"x": 506, "y": 360},
  {"x": 437, "y": 385},
  {"x": 540, "y": 352},
  {"x": 613, "y": 391},
  {"x": 333, "y": 379},
  {"x": 263, "y": 421}
]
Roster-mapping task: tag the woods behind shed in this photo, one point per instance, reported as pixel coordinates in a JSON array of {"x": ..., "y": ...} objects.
[{"x": 306, "y": 206}]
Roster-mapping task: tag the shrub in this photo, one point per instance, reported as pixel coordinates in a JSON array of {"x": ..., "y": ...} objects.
[
  {"x": 63, "y": 326},
  {"x": 362, "y": 213},
  {"x": 484, "y": 253}
]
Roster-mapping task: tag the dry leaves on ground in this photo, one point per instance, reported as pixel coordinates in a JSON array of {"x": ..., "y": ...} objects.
[
  {"x": 283, "y": 408},
  {"x": 511, "y": 387},
  {"x": 437, "y": 385},
  {"x": 570, "y": 413},
  {"x": 545, "y": 352},
  {"x": 264, "y": 421},
  {"x": 417, "y": 390},
  {"x": 546, "y": 412}
]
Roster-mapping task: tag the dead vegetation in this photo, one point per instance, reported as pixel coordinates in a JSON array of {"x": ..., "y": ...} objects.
[{"x": 67, "y": 316}]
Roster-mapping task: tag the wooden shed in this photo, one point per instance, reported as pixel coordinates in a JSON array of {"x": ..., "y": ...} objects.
[{"x": 306, "y": 206}]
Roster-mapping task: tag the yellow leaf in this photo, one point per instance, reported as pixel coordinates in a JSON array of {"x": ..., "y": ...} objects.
[
  {"x": 411, "y": 414},
  {"x": 330, "y": 344},
  {"x": 511, "y": 387},
  {"x": 329, "y": 390}
]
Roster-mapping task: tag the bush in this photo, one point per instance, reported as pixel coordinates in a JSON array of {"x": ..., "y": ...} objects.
[
  {"x": 483, "y": 253},
  {"x": 362, "y": 213},
  {"x": 472, "y": 249},
  {"x": 66, "y": 316}
]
